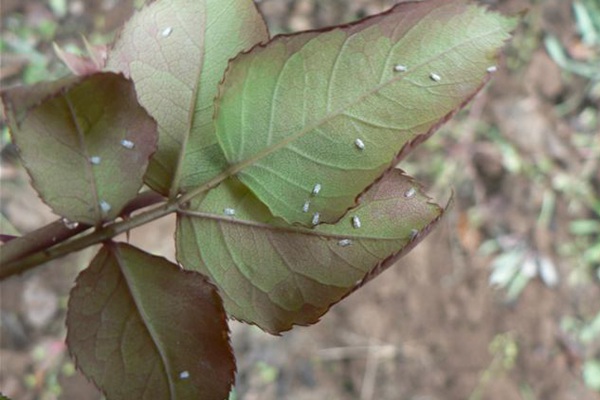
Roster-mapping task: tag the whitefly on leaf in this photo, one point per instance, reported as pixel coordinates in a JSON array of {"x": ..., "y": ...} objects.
[
  {"x": 274, "y": 274},
  {"x": 71, "y": 140},
  {"x": 388, "y": 81}
]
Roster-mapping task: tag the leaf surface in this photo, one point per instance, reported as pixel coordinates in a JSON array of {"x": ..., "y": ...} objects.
[
  {"x": 176, "y": 52},
  {"x": 141, "y": 328},
  {"x": 85, "y": 142},
  {"x": 276, "y": 275},
  {"x": 337, "y": 108}
]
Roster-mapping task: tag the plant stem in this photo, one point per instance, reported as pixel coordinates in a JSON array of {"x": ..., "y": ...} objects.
[
  {"x": 21, "y": 261},
  {"x": 43, "y": 238},
  {"x": 43, "y": 245},
  {"x": 100, "y": 235}
]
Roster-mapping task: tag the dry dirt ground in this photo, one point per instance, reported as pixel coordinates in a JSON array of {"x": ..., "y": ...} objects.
[{"x": 431, "y": 327}]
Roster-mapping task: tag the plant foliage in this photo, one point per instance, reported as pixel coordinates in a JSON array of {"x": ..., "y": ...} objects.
[
  {"x": 142, "y": 328},
  {"x": 278, "y": 156},
  {"x": 86, "y": 145}
]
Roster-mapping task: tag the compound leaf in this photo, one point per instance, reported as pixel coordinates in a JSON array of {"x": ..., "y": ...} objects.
[
  {"x": 85, "y": 142},
  {"x": 176, "y": 52},
  {"x": 336, "y": 109},
  {"x": 276, "y": 275},
  {"x": 141, "y": 328}
]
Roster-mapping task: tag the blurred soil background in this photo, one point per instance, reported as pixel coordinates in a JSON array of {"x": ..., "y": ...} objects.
[{"x": 502, "y": 302}]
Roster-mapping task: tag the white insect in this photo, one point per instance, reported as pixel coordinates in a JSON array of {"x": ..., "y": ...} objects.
[
  {"x": 413, "y": 234},
  {"x": 345, "y": 243},
  {"x": 492, "y": 68},
  {"x": 529, "y": 267},
  {"x": 184, "y": 375},
  {"x": 435, "y": 77},
  {"x": 356, "y": 222},
  {"x": 315, "y": 218},
  {"x": 410, "y": 193},
  {"x": 316, "y": 189},
  {"x": 359, "y": 144},
  {"x": 70, "y": 224},
  {"x": 229, "y": 211},
  {"x": 548, "y": 272},
  {"x": 167, "y": 31},
  {"x": 128, "y": 144},
  {"x": 95, "y": 160},
  {"x": 306, "y": 206},
  {"x": 104, "y": 206},
  {"x": 400, "y": 68}
]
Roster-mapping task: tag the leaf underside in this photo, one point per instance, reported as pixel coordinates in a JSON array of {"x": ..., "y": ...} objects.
[
  {"x": 71, "y": 142},
  {"x": 337, "y": 108},
  {"x": 141, "y": 328},
  {"x": 311, "y": 126},
  {"x": 176, "y": 52},
  {"x": 276, "y": 275}
]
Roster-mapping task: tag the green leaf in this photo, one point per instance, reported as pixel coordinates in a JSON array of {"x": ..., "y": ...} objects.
[
  {"x": 275, "y": 275},
  {"x": 289, "y": 113},
  {"x": 141, "y": 328},
  {"x": 591, "y": 374},
  {"x": 85, "y": 142},
  {"x": 176, "y": 52},
  {"x": 584, "y": 227},
  {"x": 6, "y": 227}
]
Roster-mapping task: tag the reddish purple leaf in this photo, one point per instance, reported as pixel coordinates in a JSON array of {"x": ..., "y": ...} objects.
[
  {"x": 141, "y": 328},
  {"x": 85, "y": 141}
]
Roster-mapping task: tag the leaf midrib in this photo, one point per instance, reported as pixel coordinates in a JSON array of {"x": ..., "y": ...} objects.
[
  {"x": 140, "y": 309},
  {"x": 276, "y": 228},
  {"x": 174, "y": 189},
  {"x": 89, "y": 171}
]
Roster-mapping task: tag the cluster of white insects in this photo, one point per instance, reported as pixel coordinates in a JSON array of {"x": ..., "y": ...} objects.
[
  {"x": 360, "y": 145},
  {"x": 306, "y": 206},
  {"x": 315, "y": 191},
  {"x": 434, "y": 76}
]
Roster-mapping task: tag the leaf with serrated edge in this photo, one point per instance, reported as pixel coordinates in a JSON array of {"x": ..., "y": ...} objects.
[
  {"x": 276, "y": 275},
  {"x": 141, "y": 328},
  {"x": 71, "y": 143},
  {"x": 289, "y": 114},
  {"x": 176, "y": 52}
]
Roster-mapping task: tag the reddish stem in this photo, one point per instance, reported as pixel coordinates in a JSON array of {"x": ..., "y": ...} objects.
[{"x": 47, "y": 237}]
